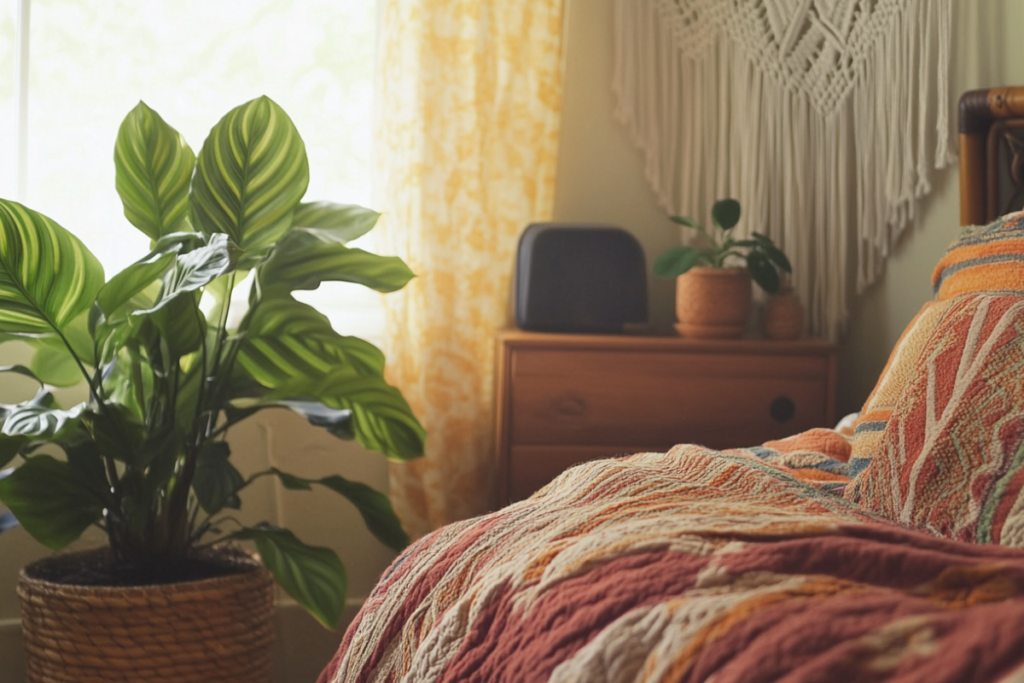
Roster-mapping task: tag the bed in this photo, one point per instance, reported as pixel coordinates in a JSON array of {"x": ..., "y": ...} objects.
[{"x": 893, "y": 554}]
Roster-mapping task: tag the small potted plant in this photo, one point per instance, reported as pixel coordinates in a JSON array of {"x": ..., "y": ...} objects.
[
  {"x": 144, "y": 457},
  {"x": 713, "y": 296}
]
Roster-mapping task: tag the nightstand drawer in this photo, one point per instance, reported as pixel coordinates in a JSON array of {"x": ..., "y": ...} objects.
[
  {"x": 661, "y": 399},
  {"x": 564, "y": 399}
]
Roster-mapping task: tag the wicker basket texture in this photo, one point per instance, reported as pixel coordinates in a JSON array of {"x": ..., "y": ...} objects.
[{"x": 218, "y": 629}]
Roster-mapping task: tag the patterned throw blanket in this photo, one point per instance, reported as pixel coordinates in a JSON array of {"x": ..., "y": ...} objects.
[{"x": 690, "y": 566}]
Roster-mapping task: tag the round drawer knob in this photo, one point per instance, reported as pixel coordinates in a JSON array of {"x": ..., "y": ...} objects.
[{"x": 782, "y": 409}]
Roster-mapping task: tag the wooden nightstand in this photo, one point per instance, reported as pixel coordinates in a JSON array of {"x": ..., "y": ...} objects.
[{"x": 564, "y": 399}]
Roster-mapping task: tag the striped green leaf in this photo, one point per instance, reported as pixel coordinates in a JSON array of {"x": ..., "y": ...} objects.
[
  {"x": 313, "y": 576},
  {"x": 38, "y": 417},
  {"x": 285, "y": 340},
  {"x": 137, "y": 277},
  {"x": 302, "y": 260},
  {"x": 375, "y": 508},
  {"x": 51, "y": 500},
  {"x": 194, "y": 270},
  {"x": 153, "y": 166},
  {"x": 47, "y": 276},
  {"x": 381, "y": 419},
  {"x": 216, "y": 482},
  {"x": 339, "y": 222},
  {"x": 251, "y": 173}
]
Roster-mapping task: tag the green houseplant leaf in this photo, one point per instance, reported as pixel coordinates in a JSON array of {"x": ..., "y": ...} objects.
[
  {"x": 375, "y": 508},
  {"x": 726, "y": 213},
  {"x": 302, "y": 260},
  {"x": 153, "y": 165},
  {"x": 251, "y": 173},
  {"x": 381, "y": 419},
  {"x": 313, "y": 576},
  {"x": 286, "y": 339},
  {"x": 50, "y": 501},
  {"x": 676, "y": 261},
  {"x": 340, "y": 222},
  {"x": 47, "y": 276}
]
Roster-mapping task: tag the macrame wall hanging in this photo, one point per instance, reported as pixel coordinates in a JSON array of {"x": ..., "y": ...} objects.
[{"x": 823, "y": 117}]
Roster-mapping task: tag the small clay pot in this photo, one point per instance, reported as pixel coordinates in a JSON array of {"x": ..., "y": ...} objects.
[
  {"x": 713, "y": 303},
  {"x": 783, "y": 314}
]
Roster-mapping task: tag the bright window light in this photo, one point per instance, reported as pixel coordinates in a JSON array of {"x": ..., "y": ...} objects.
[{"x": 190, "y": 60}]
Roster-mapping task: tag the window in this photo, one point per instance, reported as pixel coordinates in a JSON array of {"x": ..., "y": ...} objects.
[{"x": 90, "y": 62}]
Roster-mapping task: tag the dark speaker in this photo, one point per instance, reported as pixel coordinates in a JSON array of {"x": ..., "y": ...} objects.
[{"x": 579, "y": 278}]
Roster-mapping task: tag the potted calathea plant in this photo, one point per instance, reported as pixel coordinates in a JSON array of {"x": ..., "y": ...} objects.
[
  {"x": 712, "y": 294},
  {"x": 144, "y": 456}
]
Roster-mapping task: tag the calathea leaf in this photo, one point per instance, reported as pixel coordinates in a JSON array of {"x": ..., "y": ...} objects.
[
  {"x": 56, "y": 358},
  {"x": 47, "y": 276},
  {"x": 338, "y": 222},
  {"x": 217, "y": 482},
  {"x": 39, "y": 416},
  {"x": 250, "y": 175},
  {"x": 302, "y": 260},
  {"x": 313, "y": 576},
  {"x": 153, "y": 166},
  {"x": 375, "y": 508},
  {"x": 131, "y": 281},
  {"x": 285, "y": 339},
  {"x": 336, "y": 421},
  {"x": 55, "y": 365},
  {"x": 381, "y": 419},
  {"x": 115, "y": 431},
  {"x": 51, "y": 501},
  {"x": 181, "y": 324},
  {"x": 194, "y": 270},
  {"x": 83, "y": 456},
  {"x": 10, "y": 446}
]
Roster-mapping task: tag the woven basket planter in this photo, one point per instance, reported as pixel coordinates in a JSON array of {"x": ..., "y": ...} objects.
[
  {"x": 217, "y": 629},
  {"x": 713, "y": 302}
]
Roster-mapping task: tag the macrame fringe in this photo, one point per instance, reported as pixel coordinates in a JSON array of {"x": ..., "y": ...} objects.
[{"x": 720, "y": 124}]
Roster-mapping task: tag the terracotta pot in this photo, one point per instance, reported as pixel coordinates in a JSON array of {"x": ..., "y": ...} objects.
[
  {"x": 783, "y": 315},
  {"x": 713, "y": 302},
  {"x": 217, "y": 629}
]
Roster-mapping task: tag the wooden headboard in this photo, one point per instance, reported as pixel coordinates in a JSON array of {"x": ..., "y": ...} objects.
[{"x": 991, "y": 153}]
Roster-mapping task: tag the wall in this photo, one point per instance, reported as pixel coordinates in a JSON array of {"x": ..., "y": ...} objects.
[{"x": 601, "y": 179}]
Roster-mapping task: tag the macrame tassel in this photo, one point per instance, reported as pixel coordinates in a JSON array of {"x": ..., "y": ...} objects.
[{"x": 820, "y": 169}]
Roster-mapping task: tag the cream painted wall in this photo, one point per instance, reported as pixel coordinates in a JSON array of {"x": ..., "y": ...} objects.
[{"x": 600, "y": 177}]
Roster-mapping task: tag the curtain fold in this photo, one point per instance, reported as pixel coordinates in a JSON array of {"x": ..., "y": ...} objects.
[{"x": 469, "y": 96}]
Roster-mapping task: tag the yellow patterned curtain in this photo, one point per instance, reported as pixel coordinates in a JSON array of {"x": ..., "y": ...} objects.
[{"x": 468, "y": 106}]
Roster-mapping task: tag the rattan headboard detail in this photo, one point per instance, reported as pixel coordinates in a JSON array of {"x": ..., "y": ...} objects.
[{"x": 991, "y": 153}]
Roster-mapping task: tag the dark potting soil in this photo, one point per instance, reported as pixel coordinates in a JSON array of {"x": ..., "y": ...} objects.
[{"x": 99, "y": 568}]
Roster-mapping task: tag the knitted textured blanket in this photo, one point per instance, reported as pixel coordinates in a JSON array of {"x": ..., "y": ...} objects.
[
  {"x": 688, "y": 566},
  {"x": 824, "y": 118}
]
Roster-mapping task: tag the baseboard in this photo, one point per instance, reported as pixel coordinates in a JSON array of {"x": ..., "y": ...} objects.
[{"x": 302, "y": 648}]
